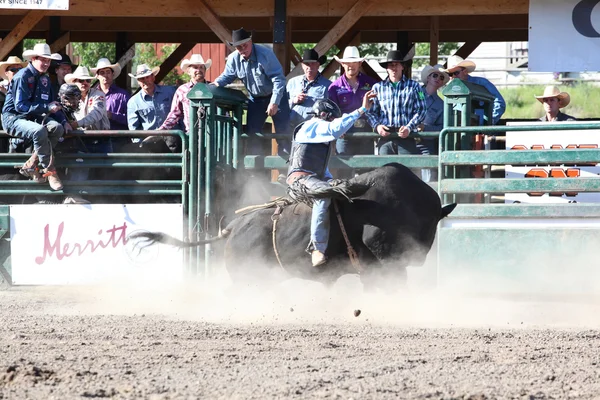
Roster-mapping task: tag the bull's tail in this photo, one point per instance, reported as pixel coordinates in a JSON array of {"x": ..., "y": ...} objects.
[
  {"x": 145, "y": 239},
  {"x": 446, "y": 210}
]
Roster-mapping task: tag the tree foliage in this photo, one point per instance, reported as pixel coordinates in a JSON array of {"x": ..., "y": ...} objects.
[
  {"x": 88, "y": 54},
  {"x": 145, "y": 53}
]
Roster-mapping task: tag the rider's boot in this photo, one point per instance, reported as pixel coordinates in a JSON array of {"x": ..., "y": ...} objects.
[
  {"x": 31, "y": 169},
  {"x": 318, "y": 258},
  {"x": 52, "y": 175}
]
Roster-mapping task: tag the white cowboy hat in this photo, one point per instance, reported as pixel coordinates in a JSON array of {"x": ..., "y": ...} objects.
[
  {"x": 195, "y": 59},
  {"x": 80, "y": 73},
  {"x": 456, "y": 62},
  {"x": 351, "y": 54},
  {"x": 41, "y": 50},
  {"x": 12, "y": 60},
  {"x": 428, "y": 70},
  {"x": 552, "y": 91},
  {"x": 144, "y": 70},
  {"x": 105, "y": 63}
]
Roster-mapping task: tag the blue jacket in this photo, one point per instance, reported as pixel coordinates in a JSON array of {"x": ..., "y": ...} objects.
[{"x": 29, "y": 94}]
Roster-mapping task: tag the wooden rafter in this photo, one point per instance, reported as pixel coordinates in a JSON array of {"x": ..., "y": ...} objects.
[
  {"x": 360, "y": 8},
  {"x": 466, "y": 49},
  {"x": 60, "y": 43},
  {"x": 213, "y": 21},
  {"x": 19, "y": 32}
]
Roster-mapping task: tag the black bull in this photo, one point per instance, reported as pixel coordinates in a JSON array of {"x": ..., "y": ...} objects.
[{"x": 391, "y": 226}]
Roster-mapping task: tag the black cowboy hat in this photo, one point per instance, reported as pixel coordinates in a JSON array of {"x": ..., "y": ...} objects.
[
  {"x": 240, "y": 36},
  {"x": 311, "y": 55},
  {"x": 66, "y": 60},
  {"x": 398, "y": 56}
]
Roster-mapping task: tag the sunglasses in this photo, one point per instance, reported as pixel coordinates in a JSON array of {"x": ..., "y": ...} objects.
[
  {"x": 81, "y": 81},
  {"x": 437, "y": 76},
  {"x": 456, "y": 73},
  {"x": 14, "y": 70}
]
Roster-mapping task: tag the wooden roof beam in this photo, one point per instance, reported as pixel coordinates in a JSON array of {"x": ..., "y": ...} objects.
[
  {"x": 174, "y": 59},
  {"x": 19, "y": 32},
  {"x": 213, "y": 21},
  {"x": 59, "y": 44},
  {"x": 360, "y": 8}
]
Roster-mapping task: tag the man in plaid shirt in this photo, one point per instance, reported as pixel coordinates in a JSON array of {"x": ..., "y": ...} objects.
[{"x": 398, "y": 108}]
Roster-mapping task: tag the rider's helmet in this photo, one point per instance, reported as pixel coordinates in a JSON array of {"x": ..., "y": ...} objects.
[
  {"x": 326, "y": 110},
  {"x": 69, "y": 97}
]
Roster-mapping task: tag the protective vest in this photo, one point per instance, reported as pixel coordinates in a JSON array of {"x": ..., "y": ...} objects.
[{"x": 312, "y": 157}]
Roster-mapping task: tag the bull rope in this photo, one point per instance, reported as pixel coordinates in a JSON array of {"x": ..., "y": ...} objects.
[
  {"x": 351, "y": 252},
  {"x": 275, "y": 218}
]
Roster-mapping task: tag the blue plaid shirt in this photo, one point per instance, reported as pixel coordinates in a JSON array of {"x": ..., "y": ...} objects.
[{"x": 399, "y": 105}]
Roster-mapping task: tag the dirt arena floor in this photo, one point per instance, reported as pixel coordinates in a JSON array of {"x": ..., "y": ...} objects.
[{"x": 170, "y": 341}]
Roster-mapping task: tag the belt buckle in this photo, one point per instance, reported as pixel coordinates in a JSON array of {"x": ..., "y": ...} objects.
[
  {"x": 417, "y": 140},
  {"x": 360, "y": 123}
]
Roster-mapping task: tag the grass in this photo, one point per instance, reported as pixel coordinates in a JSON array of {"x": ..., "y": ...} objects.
[{"x": 521, "y": 103}]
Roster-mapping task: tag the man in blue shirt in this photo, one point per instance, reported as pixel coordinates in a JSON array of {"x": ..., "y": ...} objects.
[
  {"x": 309, "y": 161},
  {"x": 303, "y": 91},
  {"x": 399, "y": 107},
  {"x": 458, "y": 68},
  {"x": 260, "y": 71},
  {"x": 148, "y": 109},
  {"x": 31, "y": 112}
]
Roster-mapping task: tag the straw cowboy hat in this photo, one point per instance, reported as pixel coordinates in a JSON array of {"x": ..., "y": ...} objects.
[
  {"x": 144, "y": 70},
  {"x": 41, "y": 50},
  {"x": 456, "y": 62},
  {"x": 240, "y": 36},
  {"x": 196, "y": 59},
  {"x": 105, "y": 63},
  {"x": 80, "y": 73},
  {"x": 552, "y": 91},
  {"x": 12, "y": 60},
  {"x": 428, "y": 70},
  {"x": 351, "y": 54},
  {"x": 311, "y": 55},
  {"x": 397, "y": 56}
]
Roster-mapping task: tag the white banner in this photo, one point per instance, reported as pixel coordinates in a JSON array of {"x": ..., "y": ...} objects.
[
  {"x": 546, "y": 140},
  {"x": 35, "y": 4},
  {"x": 80, "y": 244},
  {"x": 564, "y": 35}
]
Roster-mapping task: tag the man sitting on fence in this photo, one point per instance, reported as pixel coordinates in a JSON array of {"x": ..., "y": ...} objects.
[
  {"x": 399, "y": 107},
  {"x": 553, "y": 100},
  {"x": 309, "y": 159},
  {"x": 30, "y": 112}
]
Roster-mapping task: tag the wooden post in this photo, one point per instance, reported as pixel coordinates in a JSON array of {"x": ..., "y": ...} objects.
[
  {"x": 434, "y": 37},
  {"x": 123, "y": 46}
]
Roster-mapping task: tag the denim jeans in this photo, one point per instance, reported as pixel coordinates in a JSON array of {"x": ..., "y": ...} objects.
[
  {"x": 405, "y": 147},
  {"x": 44, "y": 137},
  {"x": 319, "y": 223},
  {"x": 257, "y": 115}
]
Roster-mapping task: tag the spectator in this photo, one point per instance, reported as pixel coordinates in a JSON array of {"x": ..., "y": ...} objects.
[
  {"x": 260, "y": 71},
  {"x": 148, "y": 109},
  {"x": 347, "y": 92},
  {"x": 399, "y": 107},
  {"x": 303, "y": 91},
  {"x": 553, "y": 100},
  {"x": 196, "y": 68},
  {"x": 61, "y": 68},
  {"x": 116, "y": 98},
  {"x": 29, "y": 98},
  {"x": 433, "y": 79},
  {"x": 8, "y": 69},
  {"x": 459, "y": 68}
]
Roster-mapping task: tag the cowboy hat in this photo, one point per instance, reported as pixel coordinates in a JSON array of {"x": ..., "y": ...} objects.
[
  {"x": 428, "y": 70},
  {"x": 196, "y": 59},
  {"x": 552, "y": 91},
  {"x": 351, "y": 54},
  {"x": 455, "y": 62},
  {"x": 240, "y": 36},
  {"x": 397, "y": 56},
  {"x": 311, "y": 55},
  {"x": 66, "y": 60},
  {"x": 105, "y": 63},
  {"x": 80, "y": 73},
  {"x": 12, "y": 60},
  {"x": 144, "y": 70},
  {"x": 41, "y": 50}
]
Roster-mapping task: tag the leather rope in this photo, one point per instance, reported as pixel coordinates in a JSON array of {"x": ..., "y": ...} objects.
[
  {"x": 275, "y": 218},
  {"x": 351, "y": 252}
]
